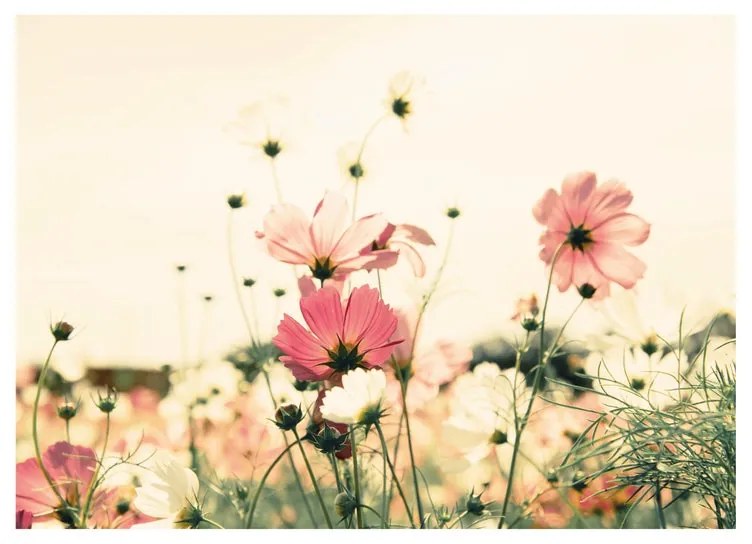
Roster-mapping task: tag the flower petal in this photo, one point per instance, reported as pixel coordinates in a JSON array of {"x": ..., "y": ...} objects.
[
  {"x": 625, "y": 228},
  {"x": 617, "y": 264}
]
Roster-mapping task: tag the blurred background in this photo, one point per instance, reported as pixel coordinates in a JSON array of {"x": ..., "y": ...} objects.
[{"x": 124, "y": 164}]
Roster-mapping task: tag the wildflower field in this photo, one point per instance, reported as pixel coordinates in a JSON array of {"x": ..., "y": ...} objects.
[{"x": 345, "y": 405}]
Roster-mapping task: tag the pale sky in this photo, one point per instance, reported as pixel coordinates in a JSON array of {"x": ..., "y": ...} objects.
[{"x": 123, "y": 166}]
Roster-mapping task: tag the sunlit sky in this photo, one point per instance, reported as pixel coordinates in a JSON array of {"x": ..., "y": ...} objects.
[{"x": 123, "y": 165}]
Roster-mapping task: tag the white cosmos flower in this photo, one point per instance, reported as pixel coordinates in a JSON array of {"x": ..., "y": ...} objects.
[
  {"x": 483, "y": 410},
  {"x": 351, "y": 162},
  {"x": 168, "y": 492},
  {"x": 359, "y": 400},
  {"x": 209, "y": 387},
  {"x": 631, "y": 377},
  {"x": 263, "y": 122},
  {"x": 404, "y": 87}
]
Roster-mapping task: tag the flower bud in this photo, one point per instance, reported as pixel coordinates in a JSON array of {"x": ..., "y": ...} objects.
[
  {"x": 586, "y": 290},
  {"x": 122, "y": 506},
  {"x": 61, "y": 331},
  {"x": 107, "y": 403},
  {"x": 474, "y": 504},
  {"x": 241, "y": 491},
  {"x": 208, "y": 298},
  {"x": 279, "y": 292},
  {"x": 356, "y": 170},
  {"x": 288, "y": 416},
  {"x": 190, "y": 517},
  {"x": 443, "y": 515},
  {"x": 180, "y": 268},
  {"x": 345, "y": 504},
  {"x": 530, "y": 324},
  {"x": 249, "y": 282},
  {"x": 236, "y": 201},
  {"x": 329, "y": 440},
  {"x": 453, "y": 213},
  {"x": 498, "y": 437},
  {"x": 271, "y": 148},
  {"x": 68, "y": 410}
]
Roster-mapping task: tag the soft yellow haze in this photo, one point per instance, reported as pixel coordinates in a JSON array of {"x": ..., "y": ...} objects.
[{"x": 123, "y": 166}]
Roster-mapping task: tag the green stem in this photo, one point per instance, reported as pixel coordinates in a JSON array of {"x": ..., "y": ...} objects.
[
  {"x": 395, "y": 480},
  {"x": 260, "y": 488},
  {"x": 93, "y": 484},
  {"x": 313, "y": 480},
  {"x": 212, "y": 523},
  {"x": 275, "y": 177},
  {"x": 34, "y": 433},
  {"x": 659, "y": 506},
  {"x": 538, "y": 378},
  {"x": 295, "y": 472},
  {"x": 356, "y": 478},
  {"x": 234, "y": 277},
  {"x": 335, "y": 469},
  {"x": 67, "y": 431},
  {"x": 412, "y": 454}
]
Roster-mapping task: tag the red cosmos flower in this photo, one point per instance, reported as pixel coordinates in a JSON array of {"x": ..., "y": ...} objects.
[
  {"x": 341, "y": 336},
  {"x": 591, "y": 226}
]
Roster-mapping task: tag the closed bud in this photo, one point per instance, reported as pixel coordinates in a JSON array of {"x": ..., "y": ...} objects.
[
  {"x": 345, "y": 504},
  {"x": 530, "y": 324},
  {"x": 329, "y": 440},
  {"x": 474, "y": 504},
  {"x": 108, "y": 402},
  {"x": 236, "y": 201},
  {"x": 68, "y": 410},
  {"x": 249, "y": 282},
  {"x": 288, "y": 416},
  {"x": 61, "y": 331},
  {"x": 180, "y": 268},
  {"x": 453, "y": 213},
  {"x": 271, "y": 148},
  {"x": 279, "y": 292},
  {"x": 586, "y": 290}
]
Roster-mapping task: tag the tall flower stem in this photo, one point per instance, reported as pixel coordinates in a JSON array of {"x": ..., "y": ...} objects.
[
  {"x": 94, "y": 483},
  {"x": 335, "y": 469},
  {"x": 275, "y": 178},
  {"x": 313, "y": 480},
  {"x": 356, "y": 478},
  {"x": 360, "y": 157},
  {"x": 395, "y": 480},
  {"x": 262, "y": 483},
  {"x": 34, "y": 417},
  {"x": 403, "y": 388},
  {"x": 542, "y": 360},
  {"x": 290, "y": 458},
  {"x": 234, "y": 277}
]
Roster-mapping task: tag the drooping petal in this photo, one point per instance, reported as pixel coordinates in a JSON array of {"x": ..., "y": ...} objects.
[
  {"x": 371, "y": 260},
  {"x": 625, "y": 228},
  {"x": 413, "y": 257},
  {"x": 617, "y": 264},
  {"x": 414, "y": 234},
  {"x": 329, "y": 222}
]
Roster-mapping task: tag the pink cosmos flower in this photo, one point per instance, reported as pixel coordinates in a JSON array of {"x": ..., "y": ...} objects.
[
  {"x": 403, "y": 238},
  {"x": 70, "y": 467},
  {"x": 592, "y": 226},
  {"x": 326, "y": 244},
  {"x": 341, "y": 337}
]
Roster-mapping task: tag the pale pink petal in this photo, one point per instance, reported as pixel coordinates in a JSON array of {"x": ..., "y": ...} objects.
[
  {"x": 617, "y": 264},
  {"x": 414, "y": 234},
  {"x": 329, "y": 222},
  {"x": 406, "y": 330},
  {"x": 358, "y": 236},
  {"x": 287, "y": 236},
  {"x": 550, "y": 241},
  {"x": 624, "y": 228},
  {"x": 413, "y": 257},
  {"x": 306, "y": 286},
  {"x": 322, "y": 311},
  {"x": 371, "y": 260},
  {"x": 610, "y": 199},
  {"x": 562, "y": 275},
  {"x": 575, "y": 194},
  {"x": 584, "y": 271},
  {"x": 549, "y": 211}
]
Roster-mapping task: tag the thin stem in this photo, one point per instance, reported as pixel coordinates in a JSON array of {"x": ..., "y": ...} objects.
[
  {"x": 234, "y": 277},
  {"x": 67, "y": 431},
  {"x": 538, "y": 378},
  {"x": 384, "y": 506},
  {"x": 355, "y": 198},
  {"x": 93, "y": 484},
  {"x": 313, "y": 480},
  {"x": 356, "y": 478},
  {"x": 212, "y": 523},
  {"x": 395, "y": 480},
  {"x": 275, "y": 178},
  {"x": 290, "y": 458},
  {"x": 659, "y": 506},
  {"x": 260, "y": 488},
  {"x": 34, "y": 433},
  {"x": 403, "y": 388},
  {"x": 335, "y": 469},
  {"x": 395, "y": 451}
]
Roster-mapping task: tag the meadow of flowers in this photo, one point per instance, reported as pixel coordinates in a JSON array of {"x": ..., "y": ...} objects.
[{"x": 346, "y": 418}]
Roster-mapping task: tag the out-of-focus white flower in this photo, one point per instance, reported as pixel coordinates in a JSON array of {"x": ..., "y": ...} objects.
[
  {"x": 359, "y": 400},
  {"x": 207, "y": 388},
  {"x": 263, "y": 125},
  {"x": 168, "y": 492},
  {"x": 350, "y": 161},
  {"x": 404, "y": 88},
  {"x": 632, "y": 377},
  {"x": 483, "y": 408},
  {"x": 646, "y": 316}
]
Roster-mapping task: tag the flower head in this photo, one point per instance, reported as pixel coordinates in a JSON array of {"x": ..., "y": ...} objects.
[
  {"x": 350, "y": 157},
  {"x": 403, "y": 88},
  {"x": 403, "y": 238},
  {"x": 359, "y": 400},
  {"x": 326, "y": 244},
  {"x": 342, "y": 337},
  {"x": 589, "y": 227},
  {"x": 61, "y": 331},
  {"x": 168, "y": 492},
  {"x": 263, "y": 126}
]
